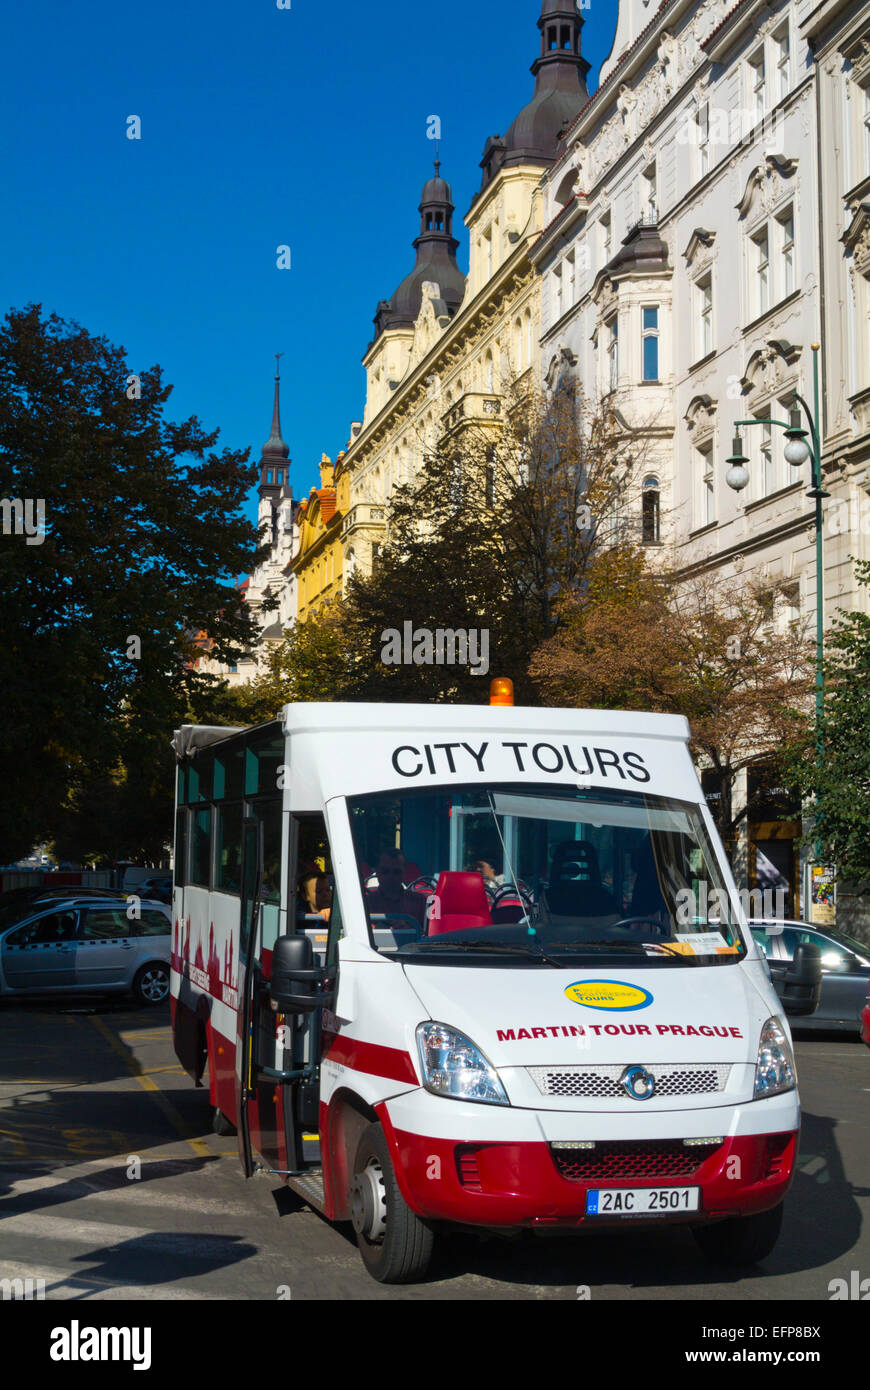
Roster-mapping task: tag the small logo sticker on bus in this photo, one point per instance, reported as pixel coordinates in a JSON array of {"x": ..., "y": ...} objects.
[{"x": 611, "y": 995}]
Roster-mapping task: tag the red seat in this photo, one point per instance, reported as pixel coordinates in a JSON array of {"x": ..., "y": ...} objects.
[{"x": 460, "y": 902}]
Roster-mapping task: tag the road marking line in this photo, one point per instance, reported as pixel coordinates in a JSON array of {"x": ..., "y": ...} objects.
[{"x": 182, "y": 1129}]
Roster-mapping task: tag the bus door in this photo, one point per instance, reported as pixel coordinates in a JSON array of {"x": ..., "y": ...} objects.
[{"x": 260, "y": 1127}]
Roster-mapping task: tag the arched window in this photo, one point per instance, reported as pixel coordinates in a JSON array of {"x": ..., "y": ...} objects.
[
  {"x": 518, "y": 345},
  {"x": 650, "y": 512},
  {"x": 528, "y": 338},
  {"x": 489, "y": 373}
]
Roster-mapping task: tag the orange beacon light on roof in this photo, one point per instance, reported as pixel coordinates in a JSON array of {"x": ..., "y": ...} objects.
[{"x": 501, "y": 691}]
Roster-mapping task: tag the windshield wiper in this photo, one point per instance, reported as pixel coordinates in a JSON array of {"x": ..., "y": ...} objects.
[{"x": 495, "y": 947}]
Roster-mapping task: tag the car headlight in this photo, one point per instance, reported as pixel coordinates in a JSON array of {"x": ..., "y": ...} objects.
[
  {"x": 775, "y": 1070},
  {"x": 453, "y": 1066}
]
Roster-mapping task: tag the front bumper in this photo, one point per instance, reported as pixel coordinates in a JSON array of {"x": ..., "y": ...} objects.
[{"x": 514, "y": 1180}]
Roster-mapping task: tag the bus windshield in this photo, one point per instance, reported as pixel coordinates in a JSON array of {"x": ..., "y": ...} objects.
[{"x": 489, "y": 873}]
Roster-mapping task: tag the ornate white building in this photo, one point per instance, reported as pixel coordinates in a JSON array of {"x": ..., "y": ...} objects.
[
  {"x": 708, "y": 221},
  {"x": 273, "y": 577}
]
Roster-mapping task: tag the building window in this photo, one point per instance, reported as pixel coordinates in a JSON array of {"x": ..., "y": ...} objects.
[
  {"x": 705, "y": 315},
  {"x": 557, "y": 291},
  {"x": 518, "y": 345},
  {"x": 528, "y": 339},
  {"x": 489, "y": 478},
  {"x": 702, "y": 121},
  {"x": 268, "y": 475},
  {"x": 786, "y": 232},
  {"x": 650, "y": 344},
  {"x": 707, "y": 485},
  {"x": 606, "y": 237},
  {"x": 782, "y": 46},
  {"x": 279, "y": 476},
  {"x": 651, "y": 516},
  {"x": 490, "y": 378},
  {"x": 867, "y": 129},
  {"x": 649, "y": 193},
  {"x": 761, "y": 248},
  {"x": 758, "y": 85},
  {"x": 488, "y": 250},
  {"x": 613, "y": 352},
  {"x": 767, "y": 470},
  {"x": 570, "y": 280}
]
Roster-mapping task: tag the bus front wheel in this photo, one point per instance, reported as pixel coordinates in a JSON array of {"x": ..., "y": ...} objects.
[
  {"x": 396, "y": 1246},
  {"x": 740, "y": 1240}
]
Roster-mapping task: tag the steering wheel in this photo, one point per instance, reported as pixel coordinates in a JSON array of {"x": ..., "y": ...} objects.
[
  {"x": 429, "y": 881},
  {"x": 649, "y": 921},
  {"x": 507, "y": 890}
]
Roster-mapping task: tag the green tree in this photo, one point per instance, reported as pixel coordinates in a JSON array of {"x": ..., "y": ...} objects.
[
  {"x": 837, "y": 783},
  {"x": 99, "y": 613}
]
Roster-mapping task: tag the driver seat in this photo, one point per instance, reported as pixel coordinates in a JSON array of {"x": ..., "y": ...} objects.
[
  {"x": 575, "y": 888},
  {"x": 460, "y": 902}
]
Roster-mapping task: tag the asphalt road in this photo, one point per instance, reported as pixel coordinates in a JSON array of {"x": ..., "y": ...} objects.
[{"x": 112, "y": 1186}]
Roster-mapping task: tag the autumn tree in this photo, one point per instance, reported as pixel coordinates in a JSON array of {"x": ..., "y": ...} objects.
[{"x": 699, "y": 645}]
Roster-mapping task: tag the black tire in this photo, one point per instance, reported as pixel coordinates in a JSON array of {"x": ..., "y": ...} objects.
[
  {"x": 396, "y": 1246},
  {"x": 221, "y": 1125},
  {"x": 741, "y": 1240},
  {"x": 151, "y": 985}
]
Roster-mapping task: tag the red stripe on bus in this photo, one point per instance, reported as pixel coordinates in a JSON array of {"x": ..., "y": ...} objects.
[{"x": 391, "y": 1062}]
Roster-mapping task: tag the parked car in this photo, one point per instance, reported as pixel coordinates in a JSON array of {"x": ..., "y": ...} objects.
[
  {"x": 158, "y": 888},
  {"x": 16, "y": 902},
  {"x": 86, "y": 944},
  {"x": 865, "y": 1021},
  {"x": 845, "y": 969}
]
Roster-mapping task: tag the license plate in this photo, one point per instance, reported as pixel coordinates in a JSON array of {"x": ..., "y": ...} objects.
[{"x": 642, "y": 1201}]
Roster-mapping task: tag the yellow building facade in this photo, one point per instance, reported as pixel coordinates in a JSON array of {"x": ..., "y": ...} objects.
[{"x": 318, "y": 564}]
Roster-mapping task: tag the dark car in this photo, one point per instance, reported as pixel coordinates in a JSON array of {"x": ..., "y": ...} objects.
[
  {"x": 845, "y": 970},
  {"x": 156, "y": 889}
]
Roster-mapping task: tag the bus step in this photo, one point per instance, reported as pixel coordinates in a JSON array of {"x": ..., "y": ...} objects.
[
  {"x": 310, "y": 1187},
  {"x": 311, "y": 1148}
]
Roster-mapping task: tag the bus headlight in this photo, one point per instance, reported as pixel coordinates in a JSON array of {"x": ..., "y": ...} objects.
[
  {"x": 774, "y": 1069},
  {"x": 453, "y": 1066}
]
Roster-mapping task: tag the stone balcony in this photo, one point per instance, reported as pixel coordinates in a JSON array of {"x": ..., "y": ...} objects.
[
  {"x": 474, "y": 408},
  {"x": 364, "y": 514}
]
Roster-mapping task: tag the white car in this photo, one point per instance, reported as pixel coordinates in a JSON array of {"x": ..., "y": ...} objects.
[{"x": 88, "y": 945}]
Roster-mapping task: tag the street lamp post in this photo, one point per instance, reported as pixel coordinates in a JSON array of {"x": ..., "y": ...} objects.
[{"x": 797, "y": 451}]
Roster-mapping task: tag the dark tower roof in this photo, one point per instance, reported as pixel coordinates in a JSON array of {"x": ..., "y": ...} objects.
[
  {"x": 275, "y": 454},
  {"x": 560, "y": 91},
  {"x": 436, "y": 249}
]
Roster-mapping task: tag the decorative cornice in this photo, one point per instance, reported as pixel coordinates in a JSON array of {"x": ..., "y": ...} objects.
[
  {"x": 767, "y": 180},
  {"x": 700, "y": 240},
  {"x": 856, "y": 237},
  {"x": 700, "y": 416}
]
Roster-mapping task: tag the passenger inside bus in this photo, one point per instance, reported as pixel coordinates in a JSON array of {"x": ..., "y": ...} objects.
[{"x": 314, "y": 897}]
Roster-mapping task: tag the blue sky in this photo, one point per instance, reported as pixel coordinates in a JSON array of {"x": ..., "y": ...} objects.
[{"x": 260, "y": 127}]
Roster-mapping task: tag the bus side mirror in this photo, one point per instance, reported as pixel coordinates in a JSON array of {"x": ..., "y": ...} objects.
[
  {"x": 802, "y": 982},
  {"x": 294, "y": 986}
]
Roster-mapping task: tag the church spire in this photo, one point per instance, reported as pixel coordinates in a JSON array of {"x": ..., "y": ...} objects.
[{"x": 275, "y": 454}]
